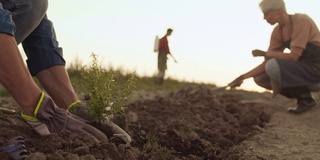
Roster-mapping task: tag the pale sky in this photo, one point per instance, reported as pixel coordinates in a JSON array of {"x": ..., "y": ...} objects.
[{"x": 212, "y": 39}]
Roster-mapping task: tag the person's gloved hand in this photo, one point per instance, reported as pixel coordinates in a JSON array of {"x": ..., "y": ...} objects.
[
  {"x": 57, "y": 120},
  {"x": 236, "y": 83},
  {"x": 258, "y": 53},
  {"x": 117, "y": 131},
  {"x": 80, "y": 111}
]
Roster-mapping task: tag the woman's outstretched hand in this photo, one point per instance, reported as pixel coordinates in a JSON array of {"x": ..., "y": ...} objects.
[{"x": 237, "y": 82}]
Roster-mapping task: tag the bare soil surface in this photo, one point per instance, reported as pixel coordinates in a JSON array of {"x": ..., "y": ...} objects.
[{"x": 190, "y": 124}]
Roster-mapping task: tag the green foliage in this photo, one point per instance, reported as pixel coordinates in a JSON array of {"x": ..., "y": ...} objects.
[
  {"x": 152, "y": 140},
  {"x": 185, "y": 131},
  {"x": 163, "y": 152},
  {"x": 141, "y": 83},
  {"x": 3, "y": 92},
  {"x": 106, "y": 97}
]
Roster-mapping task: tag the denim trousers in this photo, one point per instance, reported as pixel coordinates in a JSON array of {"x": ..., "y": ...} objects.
[{"x": 27, "y": 21}]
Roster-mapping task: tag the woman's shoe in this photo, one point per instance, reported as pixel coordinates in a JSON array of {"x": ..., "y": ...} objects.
[{"x": 303, "y": 105}]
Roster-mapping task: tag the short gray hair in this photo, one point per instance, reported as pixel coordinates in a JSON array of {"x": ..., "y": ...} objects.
[{"x": 266, "y": 5}]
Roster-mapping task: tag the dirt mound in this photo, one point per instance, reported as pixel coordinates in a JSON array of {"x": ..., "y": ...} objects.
[{"x": 192, "y": 123}]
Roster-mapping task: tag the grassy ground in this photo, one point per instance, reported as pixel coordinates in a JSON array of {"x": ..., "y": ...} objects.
[
  {"x": 142, "y": 82},
  {"x": 110, "y": 89}
]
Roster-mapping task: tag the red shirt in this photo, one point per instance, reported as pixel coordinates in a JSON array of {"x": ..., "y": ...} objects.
[{"x": 163, "y": 45}]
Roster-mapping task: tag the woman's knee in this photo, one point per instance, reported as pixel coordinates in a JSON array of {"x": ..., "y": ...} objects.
[{"x": 272, "y": 69}]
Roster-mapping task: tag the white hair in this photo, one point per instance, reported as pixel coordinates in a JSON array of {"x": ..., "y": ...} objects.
[{"x": 266, "y": 5}]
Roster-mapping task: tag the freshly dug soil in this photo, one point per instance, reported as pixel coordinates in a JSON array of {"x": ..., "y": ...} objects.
[{"x": 190, "y": 124}]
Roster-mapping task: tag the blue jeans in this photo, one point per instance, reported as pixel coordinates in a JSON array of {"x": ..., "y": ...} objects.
[{"x": 27, "y": 21}]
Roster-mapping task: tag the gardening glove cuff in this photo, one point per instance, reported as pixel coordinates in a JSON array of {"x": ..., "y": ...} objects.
[
  {"x": 81, "y": 110},
  {"x": 57, "y": 120},
  {"x": 38, "y": 126}
]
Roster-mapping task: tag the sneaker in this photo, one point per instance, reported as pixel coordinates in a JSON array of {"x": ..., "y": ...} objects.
[{"x": 303, "y": 105}]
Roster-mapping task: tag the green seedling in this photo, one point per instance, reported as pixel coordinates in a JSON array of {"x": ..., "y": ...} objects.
[
  {"x": 153, "y": 142},
  {"x": 106, "y": 97}
]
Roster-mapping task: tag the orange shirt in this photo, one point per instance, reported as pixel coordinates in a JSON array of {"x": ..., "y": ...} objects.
[{"x": 304, "y": 31}]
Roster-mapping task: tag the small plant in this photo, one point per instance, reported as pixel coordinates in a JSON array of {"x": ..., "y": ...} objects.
[
  {"x": 4, "y": 92},
  {"x": 185, "y": 131},
  {"x": 106, "y": 98},
  {"x": 153, "y": 142},
  {"x": 164, "y": 153}
]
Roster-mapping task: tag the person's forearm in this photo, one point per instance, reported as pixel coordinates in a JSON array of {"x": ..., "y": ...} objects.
[
  {"x": 255, "y": 71},
  {"x": 57, "y": 84},
  {"x": 15, "y": 77},
  {"x": 282, "y": 55}
]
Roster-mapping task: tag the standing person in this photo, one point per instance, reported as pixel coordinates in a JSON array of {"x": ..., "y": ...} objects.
[
  {"x": 163, "y": 51},
  {"x": 293, "y": 74},
  {"x": 31, "y": 27}
]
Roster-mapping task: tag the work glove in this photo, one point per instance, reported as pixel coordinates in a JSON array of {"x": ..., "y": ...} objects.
[
  {"x": 57, "y": 120},
  {"x": 236, "y": 83},
  {"x": 258, "y": 53},
  {"x": 38, "y": 126},
  {"x": 81, "y": 109}
]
